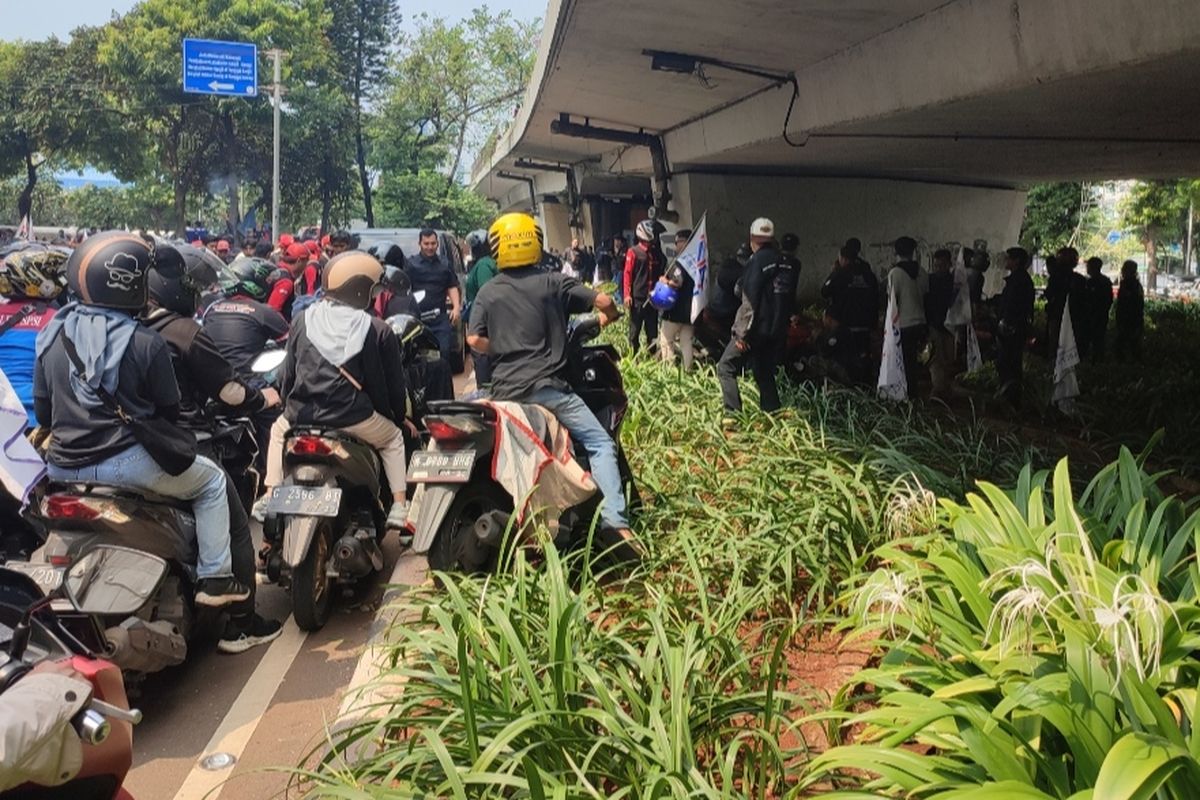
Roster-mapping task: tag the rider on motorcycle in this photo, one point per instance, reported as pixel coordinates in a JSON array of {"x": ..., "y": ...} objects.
[
  {"x": 242, "y": 324},
  {"x": 344, "y": 371},
  {"x": 91, "y": 441},
  {"x": 203, "y": 374},
  {"x": 520, "y": 321},
  {"x": 396, "y": 297}
]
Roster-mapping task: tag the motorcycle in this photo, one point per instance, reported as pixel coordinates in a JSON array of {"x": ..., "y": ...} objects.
[
  {"x": 461, "y": 519},
  {"x": 231, "y": 441},
  {"x": 325, "y": 522},
  {"x": 64, "y": 625}
]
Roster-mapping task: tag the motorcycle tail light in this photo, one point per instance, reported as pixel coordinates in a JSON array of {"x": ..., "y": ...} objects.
[
  {"x": 59, "y": 561},
  {"x": 66, "y": 506},
  {"x": 310, "y": 446},
  {"x": 444, "y": 429}
]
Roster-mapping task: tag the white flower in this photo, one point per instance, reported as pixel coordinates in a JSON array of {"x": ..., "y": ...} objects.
[{"x": 889, "y": 595}]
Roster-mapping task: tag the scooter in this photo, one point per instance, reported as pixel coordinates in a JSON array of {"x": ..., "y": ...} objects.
[
  {"x": 231, "y": 442},
  {"x": 463, "y": 513},
  {"x": 64, "y": 626},
  {"x": 325, "y": 522}
]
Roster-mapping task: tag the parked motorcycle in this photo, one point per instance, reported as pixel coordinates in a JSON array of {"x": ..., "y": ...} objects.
[
  {"x": 64, "y": 625},
  {"x": 325, "y": 522},
  {"x": 464, "y": 513}
]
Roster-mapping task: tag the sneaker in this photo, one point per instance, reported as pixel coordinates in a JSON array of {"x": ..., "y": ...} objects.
[
  {"x": 259, "y": 509},
  {"x": 398, "y": 516},
  {"x": 242, "y": 634},
  {"x": 217, "y": 592}
]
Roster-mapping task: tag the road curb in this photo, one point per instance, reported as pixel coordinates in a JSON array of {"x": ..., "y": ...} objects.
[{"x": 366, "y": 692}]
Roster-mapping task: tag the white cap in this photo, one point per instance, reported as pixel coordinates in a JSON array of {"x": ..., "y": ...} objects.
[{"x": 763, "y": 228}]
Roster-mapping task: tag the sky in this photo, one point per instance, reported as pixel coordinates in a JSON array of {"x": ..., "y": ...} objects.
[{"x": 41, "y": 18}]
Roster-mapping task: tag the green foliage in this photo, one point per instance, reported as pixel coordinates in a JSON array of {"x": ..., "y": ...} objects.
[
  {"x": 1052, "y": 213},
  {"x": 1046, "y": 649}
]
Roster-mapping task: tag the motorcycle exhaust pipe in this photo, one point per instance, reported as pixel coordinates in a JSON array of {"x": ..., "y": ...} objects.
[
  {"x": 490, "y": 528},
  {"x": 349, "y": 556}
]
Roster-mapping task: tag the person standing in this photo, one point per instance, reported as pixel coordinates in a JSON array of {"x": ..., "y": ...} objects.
[
  {"x": 1016, "y": 319},
  {"x": 643, "y": 268},
  {"x": 617, "y": 266},
  {"x": 761, "y": 326},
  {"x": 937, "y": 306},
  {"x": 1131, "y": 312},
  {"x": 677, "y": 320},
  {"x": 1062, "y": 284},
  {"x": 852, "y": 296},
  {"x": 910, "y": 285},
  {"x": 435, "y": 286},
  {"x": 483, "y": 269},
  {"x": 1099, "y": 303}
]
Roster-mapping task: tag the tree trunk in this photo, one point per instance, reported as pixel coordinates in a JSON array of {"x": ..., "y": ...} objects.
[
  {"x": 462, "y": 143},
  {"x": 233, "y": 215},
  {"x": 180, "y": 205},
  {"x": 25, "y": 199},
  {"x": 1151, "y": 263},
  {"x": 368, "y": 209}
]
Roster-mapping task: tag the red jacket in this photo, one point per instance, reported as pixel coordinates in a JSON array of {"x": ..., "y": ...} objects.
[{"x": 643, "y": 268}]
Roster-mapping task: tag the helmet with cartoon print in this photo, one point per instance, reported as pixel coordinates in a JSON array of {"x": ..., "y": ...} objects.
[{"x": 109, "y": 270}]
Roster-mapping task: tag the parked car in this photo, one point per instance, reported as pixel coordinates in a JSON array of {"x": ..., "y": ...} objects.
[{"x": 448, "y": 249}]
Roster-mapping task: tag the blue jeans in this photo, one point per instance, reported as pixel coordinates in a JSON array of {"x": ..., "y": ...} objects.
[
  {"x": 441, "y": 330},
  {"x": 573, "y": 413},
  {"x": 203, "y": 483}
]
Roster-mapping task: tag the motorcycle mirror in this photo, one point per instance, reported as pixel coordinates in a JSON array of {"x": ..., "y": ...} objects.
[
  {"x": 113, "y": 580},
  {"x": 268, "y": 362}
]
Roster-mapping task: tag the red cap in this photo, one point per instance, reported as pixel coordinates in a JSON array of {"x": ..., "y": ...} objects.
[
  {"x": 222, "y": 246},
  {"x": 286, "y": 240},
  {"x": 296, "y": 252},
  {"x": 314, "y": 247},
  {"x": 325, "y": 240}
]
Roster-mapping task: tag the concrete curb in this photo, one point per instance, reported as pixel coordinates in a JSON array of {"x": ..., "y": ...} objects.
[{"x": 364, "y": 692}]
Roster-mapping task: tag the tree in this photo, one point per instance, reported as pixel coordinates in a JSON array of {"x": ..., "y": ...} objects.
[
  {"x": 1156, "y": 211},
  {"x": 1052, "y": 215},
  {"x": 363, "y": 33},
  {"x": 318, "y": 157}
]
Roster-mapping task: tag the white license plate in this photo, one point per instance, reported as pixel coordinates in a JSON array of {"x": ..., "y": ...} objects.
[
  {"x": 307, "y": 501},
  {"x": 432, "y": 466},
  {"x": 47, "y": 577}
]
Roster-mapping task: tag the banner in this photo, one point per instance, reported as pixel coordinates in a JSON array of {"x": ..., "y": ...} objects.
[
  {"x": 960, "y": 316},
  {"x": 25, "y": 229},
  {"x": 1066, "y": 387},
  {"x": 893, "y": 385},
  {"x": 20, "y": 465},
  {"x": 694, "y": 258}
]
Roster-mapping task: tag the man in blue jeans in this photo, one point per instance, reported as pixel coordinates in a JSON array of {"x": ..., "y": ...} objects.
[{"x": 520, "y": 319}]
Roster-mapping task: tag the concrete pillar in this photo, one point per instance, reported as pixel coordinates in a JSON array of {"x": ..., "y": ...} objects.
[
  {"x": 825, "y": 212},
  {"x": 555, "y": 224}
]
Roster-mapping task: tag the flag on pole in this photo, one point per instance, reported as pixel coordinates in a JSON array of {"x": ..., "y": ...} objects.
[
  {"x": 1066, "y": 386},
  {"x": 694, "y": 258},
  {"x": 21, "y": 468},
  {"x": 960, "y": 316},
  {"x": 893, "y": 385},
  {"x": 25, "y": 229}
]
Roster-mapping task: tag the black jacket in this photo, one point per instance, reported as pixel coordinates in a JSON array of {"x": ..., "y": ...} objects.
[
  {"x": 938, "y": 299},
  {"x": 852, "y": 293},
  {"x": 1016, "y": 303},
  {"x": 1131, "y": 305},
  {"x": 768, "y": 295},
  {"x": 317, "y": 393},
  {"x": 724, "y": 300},
  {"x": 681, "y": 312},
  {"x": 200, "y": 369}
]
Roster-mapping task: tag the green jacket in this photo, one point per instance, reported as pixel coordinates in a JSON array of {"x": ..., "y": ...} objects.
[{"x": 483, "y": 271}]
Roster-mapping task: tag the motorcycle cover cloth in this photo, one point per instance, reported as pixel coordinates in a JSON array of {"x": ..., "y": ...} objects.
[{"x": 532, "y": 461}]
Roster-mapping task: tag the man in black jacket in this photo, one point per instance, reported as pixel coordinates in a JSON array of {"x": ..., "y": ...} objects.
[
  {"x": 1016, "y": 315},
  {"x": 1099, "y": 291},
  {"x": 202, "y": 374},
  {"x": 852, "y": 296},
  {"x": 344, "y": 371},
  {"x": 760, "y": 329}
]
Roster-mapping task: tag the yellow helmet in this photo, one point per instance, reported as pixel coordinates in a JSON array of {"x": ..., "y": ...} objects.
[{"x": 515, "y": 241}]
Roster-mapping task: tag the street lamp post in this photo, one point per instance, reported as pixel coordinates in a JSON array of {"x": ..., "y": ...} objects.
[{"x": 277, "y": 56}]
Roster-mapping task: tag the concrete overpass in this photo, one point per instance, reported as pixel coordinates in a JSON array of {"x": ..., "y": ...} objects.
[{"x": 919, "y": 117}]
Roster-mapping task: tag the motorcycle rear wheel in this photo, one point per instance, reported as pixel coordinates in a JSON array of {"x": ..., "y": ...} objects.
[
  {"x": 312, "y": 588},
  {"x": 454, "y": 547}
]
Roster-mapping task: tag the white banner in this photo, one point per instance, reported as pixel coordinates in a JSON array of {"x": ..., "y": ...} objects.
[
  {"x": 25, "y": 229},
  {"x": 893, "y": 385},
  {"x": 694, "y": 258},
  {"x": 20, "y": 465},
  {"x": 1066, "y": 386}
]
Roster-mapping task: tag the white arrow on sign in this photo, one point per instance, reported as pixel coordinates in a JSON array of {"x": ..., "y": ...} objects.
[{"x": 219, "y": 87}]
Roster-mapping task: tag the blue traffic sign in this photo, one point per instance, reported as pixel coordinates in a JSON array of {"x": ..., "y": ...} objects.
[{"x": 225, "y": 68}]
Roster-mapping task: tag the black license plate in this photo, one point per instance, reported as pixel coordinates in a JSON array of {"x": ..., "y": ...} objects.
[
  {"x": 308, "y": 501},
  {"x": 431, "y": 466}
]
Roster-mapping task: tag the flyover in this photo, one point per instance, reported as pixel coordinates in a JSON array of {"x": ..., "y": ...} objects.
[{"x": 839, "y": 118}]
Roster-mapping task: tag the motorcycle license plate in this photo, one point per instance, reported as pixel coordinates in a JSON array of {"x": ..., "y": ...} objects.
[
  {"x": 47, "y": 577},
  {"x": 306, "y": 501},
  {"x": 430, "y": 466}
]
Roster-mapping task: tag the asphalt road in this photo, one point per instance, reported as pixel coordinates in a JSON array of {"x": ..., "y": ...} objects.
[{"x": 304, "y": 675}]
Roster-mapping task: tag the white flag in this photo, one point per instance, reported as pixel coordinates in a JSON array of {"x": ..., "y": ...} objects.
[
  {"x": 960, "y": 316},
  {"x": 694, "y": 258},
  {"x": 25, "y": 229},
  {"x": 974, "y": 357},
  {"x": 893, "y": 385},
  {"x": 21, "y": 468},
  {"x": 1066, "y": 387}
]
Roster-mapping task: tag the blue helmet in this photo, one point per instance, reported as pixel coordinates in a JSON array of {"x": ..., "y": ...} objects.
[{"x": 664, "y": 296}]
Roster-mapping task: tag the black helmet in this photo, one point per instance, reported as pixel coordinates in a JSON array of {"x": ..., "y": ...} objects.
[
  {"x": 168, "y": 282},
  {"x": 478, "y": 242},
  {"x": 255, "y": 277},
  {"x": 203, "y": 267},
  {"x": 351, "y": 278},
  {"x": 396, "y": 280},
  {"x": 743, "y": 254},
  {"x": 388, "y": 254},
  {"x": 109, "y": 271}
]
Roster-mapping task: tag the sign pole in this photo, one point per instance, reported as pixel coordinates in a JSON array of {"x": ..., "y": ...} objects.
[{"x": 277, "y": 56}]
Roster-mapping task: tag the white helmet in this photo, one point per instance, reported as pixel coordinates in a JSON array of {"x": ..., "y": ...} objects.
[{"x": 645, "y": 230}]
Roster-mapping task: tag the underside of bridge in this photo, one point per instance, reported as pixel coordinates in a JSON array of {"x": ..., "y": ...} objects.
[{"x": 868, "y": 118}]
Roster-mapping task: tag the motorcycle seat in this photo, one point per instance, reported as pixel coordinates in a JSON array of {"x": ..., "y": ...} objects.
[{"x": 119, "y": 493}]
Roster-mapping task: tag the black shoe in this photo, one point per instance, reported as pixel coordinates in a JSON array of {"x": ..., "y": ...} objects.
[
  {"x": 217, "y": 592},
  {"x": 243, "y": 633}
]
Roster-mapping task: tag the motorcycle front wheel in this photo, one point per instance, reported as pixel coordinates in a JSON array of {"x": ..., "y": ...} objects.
[{"x": 312, "y": 588}]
